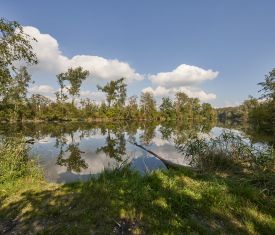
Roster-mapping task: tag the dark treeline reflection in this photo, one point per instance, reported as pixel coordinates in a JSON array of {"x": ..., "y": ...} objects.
[
  {"x": 58, "y": 130},
  {"x": 249, "y": 130}
]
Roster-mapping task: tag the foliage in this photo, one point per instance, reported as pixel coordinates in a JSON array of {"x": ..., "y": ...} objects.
[
  {"x": 148, "y": 107},
  {"x": 75, "y": 77},
  {"x": 14, "y": 45},
  {"x": 262, "y": 116},
  {"x": 14, "y": 162},
  {"x": 115, "y": 92},
  {"x": 225, "y": 151},
  {"x": 167, "y": 110},
  {"x": 268, "y": 86}
]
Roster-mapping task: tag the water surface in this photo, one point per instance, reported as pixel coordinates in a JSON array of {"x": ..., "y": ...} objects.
[{"x": 77, "y": 151}]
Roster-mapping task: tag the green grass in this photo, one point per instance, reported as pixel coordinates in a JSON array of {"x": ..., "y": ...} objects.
[
  {"x": 172, "y": 202},
  {"x": 14, "y": 161},
  {"x": 223, "y": 200}
]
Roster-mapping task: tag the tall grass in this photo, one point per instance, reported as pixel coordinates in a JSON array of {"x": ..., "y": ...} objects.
[
  {"x": 14, "y": 160},
  {"x": 227, "y": 150}
]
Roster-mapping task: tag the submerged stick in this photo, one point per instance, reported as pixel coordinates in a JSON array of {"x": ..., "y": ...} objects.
[{"x": 166, "y": 162}]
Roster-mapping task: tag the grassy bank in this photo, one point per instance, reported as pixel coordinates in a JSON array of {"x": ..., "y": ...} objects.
[
  {"x": 172, "y": 202},
  {"x": 178, "y": 201}
]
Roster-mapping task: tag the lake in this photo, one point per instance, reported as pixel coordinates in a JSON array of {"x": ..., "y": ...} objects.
[{"x": 69, "y": 152}]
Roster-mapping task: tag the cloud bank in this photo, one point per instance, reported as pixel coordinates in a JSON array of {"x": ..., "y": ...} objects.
[
  {"x": 189, "y": 91},
  {"x": 184, "y": 78},
  {"x": 183, "y": 75},
  {"x": 52, "y": 60}
]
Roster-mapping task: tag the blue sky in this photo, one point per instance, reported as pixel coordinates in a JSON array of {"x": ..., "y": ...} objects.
[{"x": 234, "y": 38}]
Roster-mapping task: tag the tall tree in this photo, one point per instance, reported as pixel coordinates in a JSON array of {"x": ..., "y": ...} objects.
[
  {"x": 115, "y": 92},
  {"x": 75, "y": 77},
  {"x": 268, "y": 86},
  {"x": 18, "y": 93},
  {"x": 207, "y": 111},
  {"x": 15, "y": 46},
  {"x": 132, "y": 108},
  {"x": 148, "y": 105},
  {"x": 182, "y": 105},
  {"x": 167, "y": 108}
]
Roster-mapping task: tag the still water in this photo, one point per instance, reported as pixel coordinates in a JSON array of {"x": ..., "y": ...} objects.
[{"x": 77, "y": 151}]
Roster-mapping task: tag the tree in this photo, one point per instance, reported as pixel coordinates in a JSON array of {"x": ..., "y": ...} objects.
[
  {"x": 75, "y": 77},
  {"x": 268, "y": 86},
  {"x": 39, "y": 105},
  {"x": 132, "y": 108},
  {"x": 15, "y": 46},
  {"x": 182, "y": 105},
  {"x": 262, "y": 115},
  {"x": 167, "y": 108},
  {"x": 148, "y": 105},
  {"x": 19, "y": 89},
  {"x": 207, "y": 111},
  {"x": 115, "y": 92},
  {"x": 196, "y": 107},
  {"x": 15, "y": 96}
]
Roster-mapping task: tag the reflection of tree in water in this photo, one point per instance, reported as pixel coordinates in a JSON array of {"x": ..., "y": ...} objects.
[
  {"x": 115, "y": 146},
  {"x": 148, "y": 133},
  {"x": 166, "y": 130},
  {"x": 73, "y": 162}
]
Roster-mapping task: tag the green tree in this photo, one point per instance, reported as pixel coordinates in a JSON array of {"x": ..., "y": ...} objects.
[
  {"x": 115, "y": 92},
  {"x": 148, "y": 105},
  {"x": 196, "y": 107},
  {"x": 167, "y": 109},
  {"x": 182, "y": 106},
  {"x": 75, "y": 77},
  {"x": 262, "y": 115},
  {"x": 15, "y": 46},
  {"x": 268, "y": 86},
  {"x": 19, "y": 89},
  {"x": 132, "y": 111},
  {"x": 39, "y": 105},
  {"x": 208, "y": 112}
]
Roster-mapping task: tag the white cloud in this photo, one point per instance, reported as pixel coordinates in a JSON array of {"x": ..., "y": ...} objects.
[
  {"x": 42, "y": 89},
  {"x": 183, "y": 75},
  {"x": 52, "y": 60},
  {"x": 189, "y": 91},
  {"x": 93, "y": 95}
]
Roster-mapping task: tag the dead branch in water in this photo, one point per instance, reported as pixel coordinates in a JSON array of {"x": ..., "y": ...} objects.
[{"x": 166, "y": 162}]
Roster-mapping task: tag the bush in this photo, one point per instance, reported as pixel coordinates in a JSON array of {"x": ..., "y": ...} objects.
[
  {"x": 14, "y": 161},
  {"x": 226, "y": 151}
]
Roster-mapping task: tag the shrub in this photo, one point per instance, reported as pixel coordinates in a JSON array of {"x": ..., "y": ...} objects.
[
  {"x": 14, "y": 161},
  {"x": 226, "y": 150}
]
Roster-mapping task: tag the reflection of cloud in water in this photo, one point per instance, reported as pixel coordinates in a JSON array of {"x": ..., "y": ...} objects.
[
  {"x": 159, "y": 142},
  {"x": 99, "y": 161},
  {"x": 145, "y": 164},
  {"x": 216, "y": 131}
]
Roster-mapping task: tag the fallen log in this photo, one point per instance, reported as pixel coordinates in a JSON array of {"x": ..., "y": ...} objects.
[{"x": 167, "y": 163}]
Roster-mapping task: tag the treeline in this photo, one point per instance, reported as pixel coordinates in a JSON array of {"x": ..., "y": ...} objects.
[
  {"x": 259, "y": 113},
  {"x": 68, "y": 104},
  {"x": 17, "y": 105}
]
